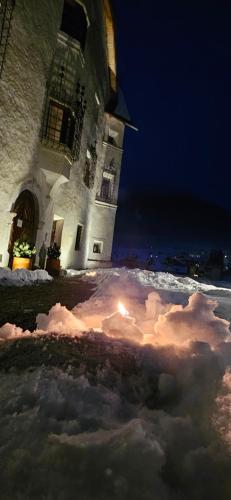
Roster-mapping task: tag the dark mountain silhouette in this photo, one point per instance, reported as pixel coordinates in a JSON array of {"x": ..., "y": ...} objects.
[{"x": 173, "y": 220}]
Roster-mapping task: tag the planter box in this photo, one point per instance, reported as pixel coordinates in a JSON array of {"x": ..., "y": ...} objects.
[
  {"x": 21, "y": 263},
  {"x": 53, "y": 266}
]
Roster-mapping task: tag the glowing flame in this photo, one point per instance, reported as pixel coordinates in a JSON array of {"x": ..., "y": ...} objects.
[
  {"x": 91, "y": 273},
  {"x": 122, "y": 309}
]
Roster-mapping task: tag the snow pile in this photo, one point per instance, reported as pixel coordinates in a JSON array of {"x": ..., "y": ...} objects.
[
  {"x": 137, "y": 408},
  {"x": 9, "y": 331},
  {"x": 179, "y": 325},
  {"x": 122, "y": 326},
  {"x": 222, "y": 417},
  {"x": 59, "y": 320},
  {"x": 148, "y": 435},
  {"x": 196, "y": 321},
  {"x": 108, "y": 278},
  {"x": 170, "y": 314},
  {"x": 156, "y": 317},
  {"x": 21, "y": 277}
]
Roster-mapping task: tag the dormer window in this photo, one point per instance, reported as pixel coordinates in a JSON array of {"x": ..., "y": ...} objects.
[{"x": 74, "y": 21}]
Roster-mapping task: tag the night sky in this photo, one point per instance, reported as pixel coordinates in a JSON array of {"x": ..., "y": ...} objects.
[{"x": 174, "y": 65}]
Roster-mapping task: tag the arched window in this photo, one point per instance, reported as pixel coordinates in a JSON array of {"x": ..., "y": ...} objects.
[
  {"x": 74, "y": 21},
  {"x": 111, "y": 50}
]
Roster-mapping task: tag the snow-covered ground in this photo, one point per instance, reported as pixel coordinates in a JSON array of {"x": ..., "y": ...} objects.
[
  {"x": 157, "y": 280},
  {"x": 21, "y": 277},
  {"x": 125, "y": 397},
  {"x": 138, "y": 283}
]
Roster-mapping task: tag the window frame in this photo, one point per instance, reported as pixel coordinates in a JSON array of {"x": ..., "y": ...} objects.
[
  {"x": 65, "y": 134},
  {"x": 78, "y": 237},
  {"x": 95, "y": 243}
]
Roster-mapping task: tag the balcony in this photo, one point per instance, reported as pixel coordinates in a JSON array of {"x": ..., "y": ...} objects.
[
  {"x": 109, "y": 144},
  {"x": 58, "y": 129},
  {"x": 106, "y": 200},
  {"x": 63, "y": 122},
  {"x": 58, "y": 147},
  {"x": 72, "y": 44},
  {"x": 55, "y": 167}
]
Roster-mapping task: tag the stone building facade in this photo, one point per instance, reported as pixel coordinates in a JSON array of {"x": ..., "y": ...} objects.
[{"x": 62, "y": 121}]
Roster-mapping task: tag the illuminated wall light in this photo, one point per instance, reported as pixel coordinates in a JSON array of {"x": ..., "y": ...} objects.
[{"x": 97, "y": 99}]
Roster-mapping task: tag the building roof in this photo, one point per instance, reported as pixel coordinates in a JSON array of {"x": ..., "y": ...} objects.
[{"x": 118, "y": 108}]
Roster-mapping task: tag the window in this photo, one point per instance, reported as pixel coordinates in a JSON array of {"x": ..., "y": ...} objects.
[
  {"x": 55, "y": 121},
  {"x": 106, "y": 188},
  {"x": 74, "y": 22},
  {"x": 111, "y": 140},
  {"x": 97, "y": 247},
  {"x": 78, "y": 237},
  {"x": 60, "y": 124},
  {"x": 112, "y": 136}
]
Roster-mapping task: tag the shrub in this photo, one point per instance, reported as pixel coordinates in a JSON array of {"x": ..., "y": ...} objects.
[
  {"x": 53, "y": 252},
  {"x": 23, "y": 249}
]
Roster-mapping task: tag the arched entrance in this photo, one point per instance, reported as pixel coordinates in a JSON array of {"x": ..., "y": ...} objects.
[{"x": 25, "y": 223}]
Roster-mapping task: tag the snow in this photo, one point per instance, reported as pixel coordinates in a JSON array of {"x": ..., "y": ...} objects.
[
  {"x": 166, "y": 308},
  {"x": 59, "y": 320},
  {"x": 195, "y": 322},
  {"x": 162, "y": 309},
  {"x": 103, "y": 278},
  {"x": 21, "y": 277},
  {"x": 111, "y": 437},
  {"x": 9, "y": 331},
  {"x": 120, "y": 406},
  {"x": 118, "y": 325}
]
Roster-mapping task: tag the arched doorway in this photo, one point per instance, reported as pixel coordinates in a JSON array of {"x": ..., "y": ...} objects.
[{"x": 25, "y": 223}]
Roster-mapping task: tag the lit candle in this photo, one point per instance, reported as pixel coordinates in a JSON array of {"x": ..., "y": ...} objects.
[{"x": 121, "y": 325}]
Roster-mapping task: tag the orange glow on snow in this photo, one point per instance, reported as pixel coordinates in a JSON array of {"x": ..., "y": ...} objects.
[{"x": 122, "y": 309}]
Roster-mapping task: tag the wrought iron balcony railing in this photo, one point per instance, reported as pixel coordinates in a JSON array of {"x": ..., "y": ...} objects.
[
  {"x": 63, "y": 118},
  {"x": 6, "y": 12}
]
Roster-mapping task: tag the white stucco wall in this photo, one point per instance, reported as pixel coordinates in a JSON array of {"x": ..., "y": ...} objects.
[
  {"x": 33, "y": 52},
  {"x": 29, "y": 53}
]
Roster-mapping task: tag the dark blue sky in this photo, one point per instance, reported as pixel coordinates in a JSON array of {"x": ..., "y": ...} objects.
[{"x": 174, "y": 62}]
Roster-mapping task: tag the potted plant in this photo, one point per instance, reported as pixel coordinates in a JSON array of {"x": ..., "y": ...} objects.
[
  {"x": 53, "y": 261},
  {"x": 23, "y": 253}
]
